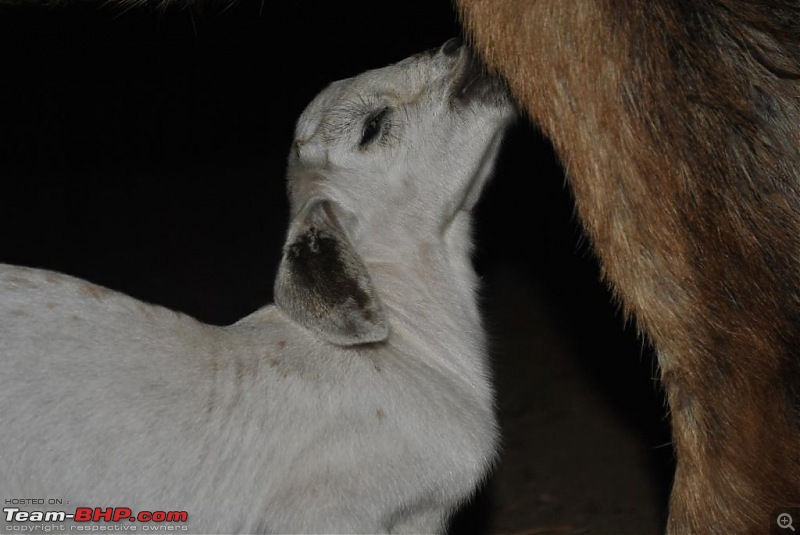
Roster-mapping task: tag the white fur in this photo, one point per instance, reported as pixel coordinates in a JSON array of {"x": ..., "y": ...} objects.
[{"x": 264, "y": 426}]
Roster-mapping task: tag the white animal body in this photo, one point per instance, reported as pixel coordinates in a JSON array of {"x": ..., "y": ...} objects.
[{"x": 360, "y": 403}]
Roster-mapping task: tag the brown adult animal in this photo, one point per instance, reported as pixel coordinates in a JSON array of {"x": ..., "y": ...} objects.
[{"x": 679, "y": 126}]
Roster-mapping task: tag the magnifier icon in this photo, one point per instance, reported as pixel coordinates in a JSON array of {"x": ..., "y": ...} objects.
[{"x": 785, "y": 521}]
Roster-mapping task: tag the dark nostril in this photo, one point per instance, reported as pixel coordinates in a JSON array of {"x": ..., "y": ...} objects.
[{"x": 452, "y": 46}]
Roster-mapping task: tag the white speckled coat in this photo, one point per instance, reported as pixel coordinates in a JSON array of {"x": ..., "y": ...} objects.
[{"x": 360, "y": 403}]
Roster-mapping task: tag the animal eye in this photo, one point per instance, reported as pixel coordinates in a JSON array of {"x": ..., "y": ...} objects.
[{"x": 372, "y": 126}]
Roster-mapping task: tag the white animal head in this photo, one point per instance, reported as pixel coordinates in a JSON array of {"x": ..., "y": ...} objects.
[{"x": 381, "y": 163}]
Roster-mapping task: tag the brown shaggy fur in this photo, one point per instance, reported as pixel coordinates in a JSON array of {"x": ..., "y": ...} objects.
[{"x": 679, "y": 125}]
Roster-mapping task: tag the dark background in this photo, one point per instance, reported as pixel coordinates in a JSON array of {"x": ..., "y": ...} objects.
[{"x": 144, "y": 149}]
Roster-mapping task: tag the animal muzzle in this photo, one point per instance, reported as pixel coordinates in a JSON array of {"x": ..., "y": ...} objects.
[{"x": 472, "y": 82}]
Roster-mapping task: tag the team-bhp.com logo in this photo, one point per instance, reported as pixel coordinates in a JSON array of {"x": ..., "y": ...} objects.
[{"x": 94, "y": 514}]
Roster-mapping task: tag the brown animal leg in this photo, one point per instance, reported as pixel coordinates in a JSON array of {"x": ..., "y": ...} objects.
[{"x": 679, "y": 126}]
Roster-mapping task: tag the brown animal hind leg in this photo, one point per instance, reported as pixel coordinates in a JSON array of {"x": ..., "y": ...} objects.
[{"x": 679, "y": 126}]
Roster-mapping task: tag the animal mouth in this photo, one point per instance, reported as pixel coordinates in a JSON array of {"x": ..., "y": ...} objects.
[{"x": 475, "y": 84}]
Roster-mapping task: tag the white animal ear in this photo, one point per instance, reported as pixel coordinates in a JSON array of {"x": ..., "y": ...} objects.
[{"x": 323, "y": 284}]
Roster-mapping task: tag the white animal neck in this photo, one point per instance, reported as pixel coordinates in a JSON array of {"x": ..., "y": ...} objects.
[{"x": 430, "y": 294}]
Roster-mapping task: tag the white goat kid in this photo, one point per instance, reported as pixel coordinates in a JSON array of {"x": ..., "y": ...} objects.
[{"x": 360, "y": 403}]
